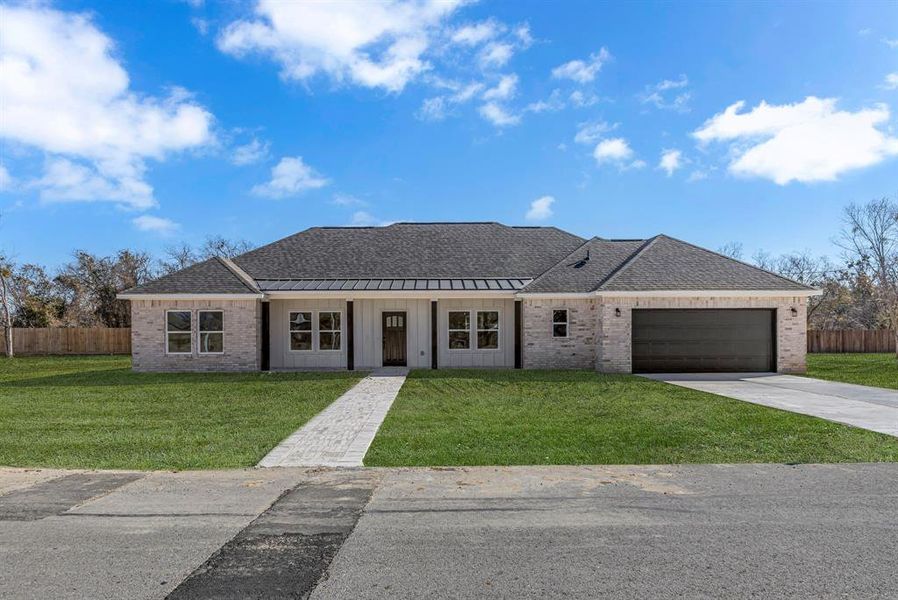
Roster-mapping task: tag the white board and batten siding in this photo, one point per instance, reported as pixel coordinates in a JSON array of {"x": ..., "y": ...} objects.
[
  {"x": 368, "y": 318},
  {"x": 474, "y": 358},
  {"x": 368, "y": 333},
  {"x": 284, "y": 358}
]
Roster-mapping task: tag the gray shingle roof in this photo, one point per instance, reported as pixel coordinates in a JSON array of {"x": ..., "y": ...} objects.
[
  {"x": 583, "y": 269},
  {"x": 666, "y": 263},
  {"x": 208, "y": 277},
  {"x": 410, "y": 251},
  {"x": 469, "y": 256}
]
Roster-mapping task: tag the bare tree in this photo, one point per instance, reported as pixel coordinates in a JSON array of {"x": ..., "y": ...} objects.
[
  {"x": 89, "y": 286},
  {"x": 869, "y": 240},
  {"x": 183, "y": 255},
  {"x": 223, "y": 247},
  {"x": 177, "y": 258},
  {"x": 731, "y": 249}
]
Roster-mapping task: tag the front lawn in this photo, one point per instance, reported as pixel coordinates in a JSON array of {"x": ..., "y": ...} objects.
[
  {"x": 879, "y": 370},
  {"x": 505, "y": 417},
  {"x": 93, "y": 412}
]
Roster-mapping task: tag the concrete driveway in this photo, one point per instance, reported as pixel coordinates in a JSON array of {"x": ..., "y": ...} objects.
[
  {"x": 867, "y": 407},
  {"x": 709, "y": 531}
]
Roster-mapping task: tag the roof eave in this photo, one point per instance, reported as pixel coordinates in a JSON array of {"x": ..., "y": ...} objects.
[
  {"x": 187, "y": 296},
  {"x": 707, "y": 293}
]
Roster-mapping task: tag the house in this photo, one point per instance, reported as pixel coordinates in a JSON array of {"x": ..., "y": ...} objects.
[{"x": 438, "y": 295}]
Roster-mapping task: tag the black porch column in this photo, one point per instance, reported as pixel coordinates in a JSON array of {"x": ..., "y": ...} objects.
[
  {"x": 433, "y": 334},
  {"x": 266, "y": 337},
  {"x": 350, "y": 342},
  {"x": 518, "y": 336}
]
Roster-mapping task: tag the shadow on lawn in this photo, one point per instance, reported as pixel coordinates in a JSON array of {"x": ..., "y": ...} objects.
[{"x": 126, "y": 377}]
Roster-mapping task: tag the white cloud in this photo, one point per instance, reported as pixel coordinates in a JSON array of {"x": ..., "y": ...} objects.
[
  {"x": 366, "y": 219},
  {"x": 591, "y": 132},
  {"x": 66, "y": 181},
  {"x": 540, "y": 209},
  {"x": 664, "y": 94},
  {"x": 581, "y": 100},
  {"x": 612, "y": 150},
  {"x": 341, "y": 199},
  {"x": 467, "y": 92},
  {"x": 891, "y": 81},
  {"x": 372, "y": 44},
  {"x": 290, "y": 177},
  {"x": 253, "y": 152},
  {"x": 697, "y": 175},
  {"x": 6, "y": 180},
  {"x": 159, "y": 225},
  {"x": 582, "y": 71},
  {"x": 807, "y": 141},
  {"x": 522, "y": 32},
  {"x": 616, "y": 151},
  {"x": 671, "y": 160},
  {"x": 65, "y": 93},
  {"x": 505, "y": 89},
  {"x": 476, "y": 33},
  {"x": 201, "y": 25},
  {"x": 890, "y": 43},
  {"x": 551, "y": 104},
  {"x": 438, "y": 108},
  {"x": 433, "y": 109},
  {"x": 495, "y": 55},
  {"x": 498, "y": 115}
]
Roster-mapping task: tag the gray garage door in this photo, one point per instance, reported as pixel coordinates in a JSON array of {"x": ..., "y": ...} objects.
[{"x": 703, "y": 341}]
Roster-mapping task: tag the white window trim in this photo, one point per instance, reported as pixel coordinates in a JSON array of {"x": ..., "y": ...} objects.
[
  {"x": 167, "y": 332},
  {"x": 311, "y": 331},
  {"x": 567, "y": 322},
  {"x": 449, "y": 330},
  {"x": 317, "y": 326},
  {"x": 199, "y": 333},
  {"x": 498, "y": 330}
]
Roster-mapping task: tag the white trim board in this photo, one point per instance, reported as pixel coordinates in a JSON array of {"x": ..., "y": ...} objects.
[{"x": 190, "y": 296}]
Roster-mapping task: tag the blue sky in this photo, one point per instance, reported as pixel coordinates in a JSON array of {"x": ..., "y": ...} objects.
[{"x": 129, "y": 124}]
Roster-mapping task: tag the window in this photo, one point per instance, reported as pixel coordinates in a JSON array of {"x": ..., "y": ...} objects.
[
  {"x": 487, "y": 329},
  {"x": 300, "y": 331},
  {"x": 178, "y": 332},
  {"x": 211, "y": 324},
  {"x": 329, "y": 330},
  {"x": 459, "y": 330},
  {"x": 559, "y": 322}
]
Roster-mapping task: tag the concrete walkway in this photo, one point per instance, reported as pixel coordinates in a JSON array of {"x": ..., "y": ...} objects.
[
  {"x": 339, "y": 436},
  {"x": 867, "y": 407}
]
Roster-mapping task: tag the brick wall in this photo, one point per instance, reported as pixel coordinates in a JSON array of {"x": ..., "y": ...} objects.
[
  {"x": 615, "y": 333},
  {"x": 242, "y": 328},
  {"x": 543, "y": 351}
]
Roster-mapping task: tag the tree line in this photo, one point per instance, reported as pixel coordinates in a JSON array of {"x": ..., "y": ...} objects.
[
  {"x": 860, "y": 287},
  {"x": 82, "y": 292}
]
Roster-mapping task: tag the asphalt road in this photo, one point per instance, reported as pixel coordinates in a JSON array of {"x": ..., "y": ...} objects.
[{"x": 701, "y": 531}]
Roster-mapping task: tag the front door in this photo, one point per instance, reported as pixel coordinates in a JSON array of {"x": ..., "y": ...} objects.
[{"x": 394, "y": 339}]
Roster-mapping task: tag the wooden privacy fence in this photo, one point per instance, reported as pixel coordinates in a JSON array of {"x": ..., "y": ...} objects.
[
  {"x": 29, "y": 341},
  {"x": 851, "y": 340}
]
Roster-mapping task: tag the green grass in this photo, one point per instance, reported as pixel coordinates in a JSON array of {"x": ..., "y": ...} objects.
[
  {"x": 879, "y": 370},
  {"x": 552, "y": 417},
  {"x": 93, "y": 412}
]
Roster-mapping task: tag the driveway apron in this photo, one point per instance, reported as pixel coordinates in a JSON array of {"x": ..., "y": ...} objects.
[
  {"x": 863, "y": 406},
  {"x": 339, "y": 436}
]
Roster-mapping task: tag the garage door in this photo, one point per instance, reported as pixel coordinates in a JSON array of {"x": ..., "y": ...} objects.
[{"x": 703, "y": 341}]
